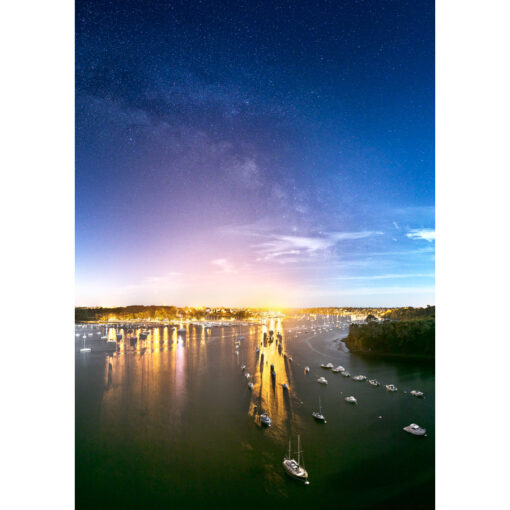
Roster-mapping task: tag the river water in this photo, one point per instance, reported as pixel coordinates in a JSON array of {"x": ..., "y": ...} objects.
[{"x": 170, "y": 422}]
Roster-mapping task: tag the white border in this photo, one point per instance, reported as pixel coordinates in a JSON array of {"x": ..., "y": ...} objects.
[{"x": 37, "y": 211}]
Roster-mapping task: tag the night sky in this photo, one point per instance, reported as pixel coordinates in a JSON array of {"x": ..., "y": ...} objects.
[{"x": 263, "y": 153}]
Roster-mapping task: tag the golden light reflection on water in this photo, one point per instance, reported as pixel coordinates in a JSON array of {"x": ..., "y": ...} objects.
[
  {"x": 268, "y": 392},
  {"x": 162, "y": 360}
]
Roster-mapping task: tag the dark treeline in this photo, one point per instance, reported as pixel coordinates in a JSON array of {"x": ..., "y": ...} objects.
[
  {"x": 141, "y": 312},
  {"x": 409, "y": 332},
  {"x": 409, "y": 313}
]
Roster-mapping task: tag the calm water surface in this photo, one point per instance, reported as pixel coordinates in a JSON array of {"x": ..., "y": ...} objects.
[{"x": 171, "y": 422}]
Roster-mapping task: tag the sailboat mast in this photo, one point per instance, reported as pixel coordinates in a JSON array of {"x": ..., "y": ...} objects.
[
  {"x": 298, "y": 449},
  {"x": 289, "y": 451}
]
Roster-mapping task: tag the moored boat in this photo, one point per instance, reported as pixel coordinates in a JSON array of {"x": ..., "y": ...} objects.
[
  {"x": 293, "y": 467},
  {"x": 416, "y": 430}
]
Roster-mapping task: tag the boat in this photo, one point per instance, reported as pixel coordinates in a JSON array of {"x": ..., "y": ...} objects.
[
  {"x": 339, "y": 368},
  {"x": 250, "y": 385},
  {"x": 307, "y": 369},
  {"x": 257, "y": 350},
  {"x": 285, "y": 386},
  {"x": 328, "y": 366},
  {"x": 247, "y": 375},
  {"x": 373, "y": 382},
  {"x": 346, "y": 374},
  {"x": 416, "y": 393},
  {"x": 265, "y": 420},
  {"x": 318, "y": 414},
  {"x": 243, "y": 367},
  {"x": 351, "y": 400},
  {"x": 322, "y": 380},
  {"x": 85, "y": 349},
  {"x": 359, "y": 378},
  {"x": 77, "y": 334},
  {"x": 104, "y": 338},
  {"x": 111, "y": 341},
  {"x": 293, "y": 467},
  {"x": 391, "y": 387},
  {"x": 416, "y": 430}
]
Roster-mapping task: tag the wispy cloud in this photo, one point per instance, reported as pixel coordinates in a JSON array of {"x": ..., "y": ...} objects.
[
  {"x": 428, "y": 234},
  {"x": 223, "y": 265},
  {"x": 386, "y": 276},
  {"x": 278, "y": 246}
]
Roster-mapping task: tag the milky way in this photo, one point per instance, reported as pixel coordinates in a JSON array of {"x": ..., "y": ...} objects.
[{"x": 255, "y": 153}]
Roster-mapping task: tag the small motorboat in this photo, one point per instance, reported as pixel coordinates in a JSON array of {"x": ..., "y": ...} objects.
[
  {"x": 359, "y": 378},
  {"x": 391, "y": 387},
  {"x": 338, "y": 369},
  {"x": 307, "y": 369},
  {"x": 285, "y": 386},
  {"x": 351, "y": 400},
  {"x": 247, "y": 375},
  {"x": 85, "y": 349},
  {"x": 327, "y": 366},
  {"x": 104, "y": 338},
  {"x": 322, "y": 380},
  {"x": 416, "y": 430},
  {"x": 250, "y": 385},
  {"x": 265, "y": 420},
  {"x": 373, "y": 382},
  {"x": 416, "y": 393},
  {"x": 346, "y": 374},
  {"x": 243, "y": 367},
  {"x": 293, "y": 467}
]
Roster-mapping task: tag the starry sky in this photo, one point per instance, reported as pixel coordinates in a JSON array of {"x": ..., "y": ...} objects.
[{"x": 255, "y": 153}]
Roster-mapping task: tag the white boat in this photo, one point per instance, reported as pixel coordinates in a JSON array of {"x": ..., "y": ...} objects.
[
  {"x": 318, "y": 415},
  {"x": 351, "y": 400},
  {"x": 243, "y": 367},
  {"x": 391, "y": 387},
  {"x": 77, "y": 334},
  {"x": 327, "y": 366},
  {"x": 285, "y": 386},
  {"x": 322, "y": 380},
  {"x": 293, "y": 467},
  {"x": 346, "y": 374},
  {"x": 307, "y": 369},
  {"x": 339, "y": 368},
  {"x": 265, "y": 420},
  {"x": 104, "y": 338},
  {"x": 416, "y": 430},
  {"x": 85, "y": 349},
  {"x": 111, "y": 341},
  {"x": 416, "y": 393},
  {"x": 247, "y": 375},
  {"x": 250, "y": 385},
  {"x": 359, "y": 378},
  {"x": 373, "y": 382}
]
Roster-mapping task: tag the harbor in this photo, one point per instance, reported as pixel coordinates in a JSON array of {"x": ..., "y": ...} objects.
[{"x": 179, "y": 410}]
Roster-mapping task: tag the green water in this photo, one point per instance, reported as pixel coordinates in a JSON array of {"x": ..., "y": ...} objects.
[{"x": 171, "y": 423}]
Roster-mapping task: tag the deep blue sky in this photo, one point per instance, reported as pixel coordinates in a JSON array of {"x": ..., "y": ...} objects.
[{"x": 255, "y": 152}]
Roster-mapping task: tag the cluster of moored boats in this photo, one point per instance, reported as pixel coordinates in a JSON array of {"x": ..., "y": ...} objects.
[{"x": 412, "y": 429}]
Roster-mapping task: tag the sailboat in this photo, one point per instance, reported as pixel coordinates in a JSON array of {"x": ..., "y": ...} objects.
[
  {"x": 318, "y": 414},
  {"x": 85, "y": 349},
  {"x": 293, "y": 467}
]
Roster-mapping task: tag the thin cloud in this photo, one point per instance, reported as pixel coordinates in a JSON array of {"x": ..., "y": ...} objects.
[
  {"x": 285, "y": 245},
  {"x": 428, "y": 234}
]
